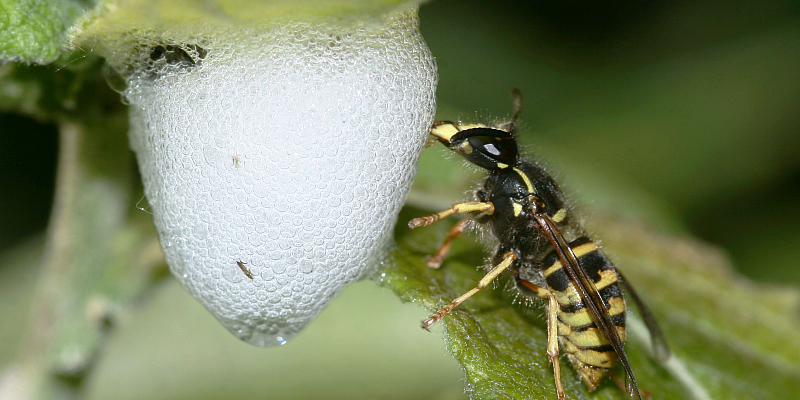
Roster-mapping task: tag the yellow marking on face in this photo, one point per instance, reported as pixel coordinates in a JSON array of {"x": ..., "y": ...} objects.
[
  {"x": 527, "y": 180},
  {"x": 560, "y": 215},
  {"x": 444, "y": 131},
  {"x": 579, "y": 251},
  {"x": 465, "y": 148},
  {"x": 501, "y": 165},
  {"x": 517, "y": 209}
]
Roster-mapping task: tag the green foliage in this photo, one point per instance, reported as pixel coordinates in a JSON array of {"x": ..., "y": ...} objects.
[{"x": 35, "y": 31}]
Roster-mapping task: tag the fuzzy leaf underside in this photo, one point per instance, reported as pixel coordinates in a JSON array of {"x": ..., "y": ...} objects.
[
  {"x": 40, "y": 31},
  {"x": 35, "y": 31}
]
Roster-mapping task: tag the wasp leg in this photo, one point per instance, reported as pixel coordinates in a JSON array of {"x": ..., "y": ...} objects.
[
  {"x": 552, "y": 341},
  {"x": 553, "y": 310},
  {"x": 456, "y": 231},
  {"x": 508, "y": 259},
  {"x": 460, "y": 208}
]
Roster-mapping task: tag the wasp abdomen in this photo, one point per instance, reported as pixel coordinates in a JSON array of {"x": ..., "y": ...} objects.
[{"x": 587, "y": 348}]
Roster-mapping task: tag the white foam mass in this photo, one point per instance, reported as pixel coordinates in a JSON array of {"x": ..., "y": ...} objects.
[{"x": 290, "y": 150}]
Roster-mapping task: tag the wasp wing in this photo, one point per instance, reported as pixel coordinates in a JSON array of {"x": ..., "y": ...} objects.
[
  {"x": 658, "y": 340},
  {"x": 588, "y": 292}
]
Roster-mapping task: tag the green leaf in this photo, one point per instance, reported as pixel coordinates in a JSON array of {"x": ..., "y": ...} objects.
[
  {"x": 35, "y": 31},
  {"x": 731, "y": 338},
  {"x": 120, "y": 31}
]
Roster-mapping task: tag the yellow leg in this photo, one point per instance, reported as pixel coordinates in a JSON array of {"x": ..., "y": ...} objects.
[
  {"x": 436, "y": 260},
  {"x": 553, "y": 310},
  {"x": 460, "y": 208},
  {"x": 552, "y": 341},
  {"x": 484, "y": 282}
]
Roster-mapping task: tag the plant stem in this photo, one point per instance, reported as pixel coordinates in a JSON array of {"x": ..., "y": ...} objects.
[{"x": 95, "y": 260}]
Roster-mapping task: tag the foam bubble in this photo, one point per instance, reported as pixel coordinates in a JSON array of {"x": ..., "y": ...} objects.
[{"x": 290, "y": 150}]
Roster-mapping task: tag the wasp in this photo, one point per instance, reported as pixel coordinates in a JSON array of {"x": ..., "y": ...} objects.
[{"x": 540, "y": 241}]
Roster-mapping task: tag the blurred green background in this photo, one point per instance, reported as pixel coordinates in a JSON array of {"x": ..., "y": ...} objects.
[
  {"x": 684, "y": 115},
  {"x": 693, "y": 105}
]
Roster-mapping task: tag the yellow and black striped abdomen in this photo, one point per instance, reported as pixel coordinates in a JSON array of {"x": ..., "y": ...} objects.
[{"x": 579, "y": 336}]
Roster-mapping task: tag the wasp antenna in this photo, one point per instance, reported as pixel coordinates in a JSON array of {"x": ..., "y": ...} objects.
[{"x": 516, "y": 98}]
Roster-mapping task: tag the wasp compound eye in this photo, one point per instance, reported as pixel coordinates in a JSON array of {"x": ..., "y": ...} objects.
[{"x": 487, "y": 147}]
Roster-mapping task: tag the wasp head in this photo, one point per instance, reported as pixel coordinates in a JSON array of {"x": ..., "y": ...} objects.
[{"x": 490, "y": 148}]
